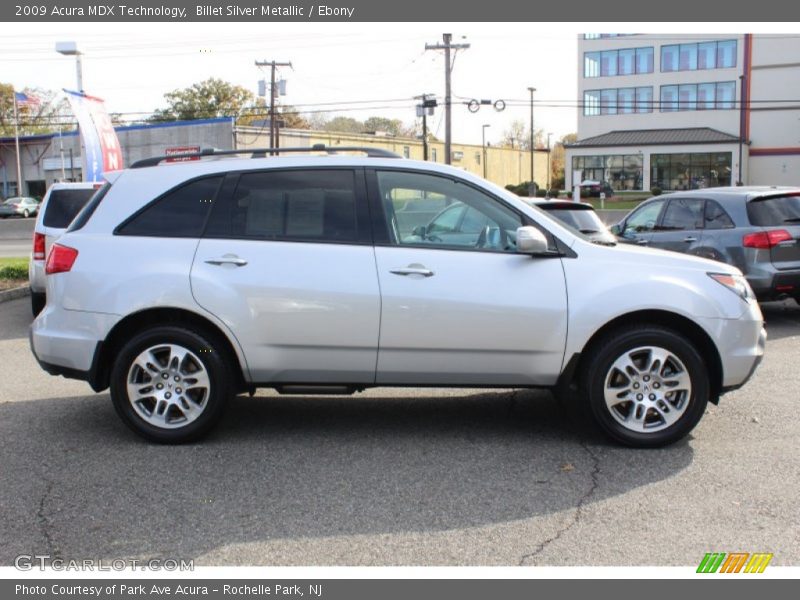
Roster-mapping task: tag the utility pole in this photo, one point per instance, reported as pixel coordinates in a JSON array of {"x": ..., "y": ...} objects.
[
  {"x": 273, "y": 131},
  {"x": 532, "y": 186},
  {"x": 423, "y": 110},
  {"x": 447, "y": 46}
]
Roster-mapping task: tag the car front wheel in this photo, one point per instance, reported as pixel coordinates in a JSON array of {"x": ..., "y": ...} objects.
[
  {"x": 647, "y": 386},
  {"x": 170, "y": 384}
]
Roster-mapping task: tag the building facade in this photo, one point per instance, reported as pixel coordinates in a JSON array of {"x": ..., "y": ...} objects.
[
  {"x": 48, "y": 158},
  {"x": 683, "y": 112}
]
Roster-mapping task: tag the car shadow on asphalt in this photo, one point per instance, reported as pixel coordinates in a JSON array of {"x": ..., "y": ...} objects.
[
  {"x": 782, "y": 319},
  {"x": 78, "y": 483}
]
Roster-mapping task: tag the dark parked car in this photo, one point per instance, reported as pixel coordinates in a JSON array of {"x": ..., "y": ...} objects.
[
  {"x": 593, "y": 189},
  {"x": 580, "y": 216},
  {"x": 753, "y": 228}
]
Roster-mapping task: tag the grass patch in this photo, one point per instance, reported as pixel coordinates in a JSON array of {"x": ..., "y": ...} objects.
[
  {"x": 13, "y": 268},
  {"x": 614, "y": 204}
]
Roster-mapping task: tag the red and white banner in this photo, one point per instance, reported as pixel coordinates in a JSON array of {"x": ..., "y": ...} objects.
[{"x": 102, "y": 151}]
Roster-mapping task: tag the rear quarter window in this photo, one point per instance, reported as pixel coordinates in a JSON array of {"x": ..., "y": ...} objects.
[
  {"x": 64, "y": 205},
  {"x": 774, "y": 210}
]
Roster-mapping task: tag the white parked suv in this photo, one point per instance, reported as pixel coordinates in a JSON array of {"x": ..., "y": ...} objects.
[
  {"x": 59, "y": 206},
  {"x": 181, "y": 285}
]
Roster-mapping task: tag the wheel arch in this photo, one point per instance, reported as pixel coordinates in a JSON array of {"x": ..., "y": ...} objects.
[
  {"x": 669, "y": 320},
  {"x": 138, "y": 321}
]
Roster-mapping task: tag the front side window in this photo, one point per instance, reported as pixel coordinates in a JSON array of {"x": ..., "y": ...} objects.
[
  {"x": 466, "y": 217},
  {"x": 179, "y": 213},
  {"x": 644, "y": 219},
  {"x": 299, "y": 205}
]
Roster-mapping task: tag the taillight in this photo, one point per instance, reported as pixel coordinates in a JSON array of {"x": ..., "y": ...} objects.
[
  {"x": 764, "y": 240},
  {"x": 38, "y": 246},
  {"x": 60, "y": 259}
]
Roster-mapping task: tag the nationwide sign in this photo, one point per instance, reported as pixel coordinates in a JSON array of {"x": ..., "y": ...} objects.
[
  {"x": 102, "y": 152},
  {"x": 177, "y": 150}
]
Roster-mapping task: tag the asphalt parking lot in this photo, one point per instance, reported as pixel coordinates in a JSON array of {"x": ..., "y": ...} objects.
[{"x": 396, "y": 477}]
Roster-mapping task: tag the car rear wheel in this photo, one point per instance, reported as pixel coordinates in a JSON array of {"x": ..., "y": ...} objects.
[
  {"x": 170, "y": 384},
  {"x": 26, "y": 214},
  {"x": 38, "y": 300},
  {"x": 646, "y": 386}
]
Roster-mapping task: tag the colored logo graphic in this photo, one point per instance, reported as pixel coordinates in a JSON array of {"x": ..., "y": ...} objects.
[{"x": 734, "y": 562}]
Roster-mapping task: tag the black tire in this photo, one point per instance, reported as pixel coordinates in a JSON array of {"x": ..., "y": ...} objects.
[
  {"x": 207, "y": 351},
  {"x": 598, "y": 367},
  {"x": 38, "y": 300}
]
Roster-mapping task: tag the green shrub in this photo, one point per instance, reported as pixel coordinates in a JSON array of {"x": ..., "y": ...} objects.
[
  {"x": 14, "y": 271},
  {"x": 656, "y": 191}
]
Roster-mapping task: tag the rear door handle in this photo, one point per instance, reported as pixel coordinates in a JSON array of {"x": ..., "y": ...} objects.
[
  {"x": 413, "y": 271},
  {"x": 227, "y": 260},
  {"x": 642, "y": 242}
]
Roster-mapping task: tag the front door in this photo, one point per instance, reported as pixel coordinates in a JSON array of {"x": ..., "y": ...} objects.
[{"x": 459, "y": 305}]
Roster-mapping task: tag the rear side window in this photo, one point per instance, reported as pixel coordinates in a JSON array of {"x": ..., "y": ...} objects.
[
  {"x": 88, "y": 210},
  {"x": 777, "y": 210},
  {"x": 63, "y": 205},
  {"x": 683, "y": 213},
  {"x": 179, "y": 213},
  {"x": 716, "y": 217},
  {"x": 310, "y": 205}
]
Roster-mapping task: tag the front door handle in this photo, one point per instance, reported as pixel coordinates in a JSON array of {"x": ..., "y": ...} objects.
[
  {"x": 227, "y": 260},
  {"x": 690, "y": 238},
  {"x": 413, "y": 270},
  {"x": 642, "y": 242}
]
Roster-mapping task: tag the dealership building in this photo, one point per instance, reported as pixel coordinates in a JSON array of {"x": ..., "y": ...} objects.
[{"x": 681, "y": 112}]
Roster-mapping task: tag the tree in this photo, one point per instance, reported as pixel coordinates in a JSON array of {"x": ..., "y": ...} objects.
[
  {"x": 392, "y": 126},
  {"x": 518, "y": 135},
  {"x": 207, "y": 99},
  {"x": 344, "y": 125},
  {"x": 51, "y": 113},
  {"x": 557, "y": 160}
]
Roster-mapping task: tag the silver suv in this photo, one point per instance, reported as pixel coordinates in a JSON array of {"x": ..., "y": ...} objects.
[{"x": 181, "y": 285}]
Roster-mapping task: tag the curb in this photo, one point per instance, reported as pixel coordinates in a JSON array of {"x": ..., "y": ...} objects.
[{"x": 14, "y": 293}]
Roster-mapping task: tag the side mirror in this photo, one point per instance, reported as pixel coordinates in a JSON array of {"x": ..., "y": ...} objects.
[
  {"x": 531, "y": 241},
  {"x": 616, "y": 229},
  {"x": 420, "y": 231}
]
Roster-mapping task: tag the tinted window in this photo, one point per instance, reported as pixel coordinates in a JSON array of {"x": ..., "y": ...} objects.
[
  {"x": 179, "y": 213},
  {"x": 683, "y": 213},
  {"x": 88, "y": 210},
  {"x": 716, "y": 217},
  {"x": 318, "y": 205},
  {"x": 781, "y": 210},
  {"x": 63, "y": 205}
]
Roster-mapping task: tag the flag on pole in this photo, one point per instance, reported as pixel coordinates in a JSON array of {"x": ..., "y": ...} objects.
[
  {"x": 29, "y": 100},
  {"x": 102, "y": 152}
]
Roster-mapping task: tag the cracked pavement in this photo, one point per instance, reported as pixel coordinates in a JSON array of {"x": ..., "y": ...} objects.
[{"x": 396, "y": 477}]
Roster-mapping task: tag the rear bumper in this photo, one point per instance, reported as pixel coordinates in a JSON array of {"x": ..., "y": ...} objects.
[
  {"x": 772, "y": 284},
  {"x": 68, "y": 343}
]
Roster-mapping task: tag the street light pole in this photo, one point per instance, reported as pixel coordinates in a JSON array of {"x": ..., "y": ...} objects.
[
  {"x": 548, "y": 163},
  {"x": 71, "y": 49},
  {"x": 532, "y": 186},
  {"x": 483, "y": 145}
]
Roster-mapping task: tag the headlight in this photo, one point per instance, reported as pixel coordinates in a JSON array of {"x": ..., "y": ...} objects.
[{"x": 735, "y": 283}]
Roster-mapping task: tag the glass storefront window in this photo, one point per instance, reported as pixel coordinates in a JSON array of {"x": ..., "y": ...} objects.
[
  {"x": 621, "y": 172},
  {"x": 690, "y": 171}
]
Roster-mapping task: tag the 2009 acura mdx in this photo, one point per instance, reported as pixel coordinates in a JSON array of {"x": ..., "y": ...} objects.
[{"x": 181, "y": 285}]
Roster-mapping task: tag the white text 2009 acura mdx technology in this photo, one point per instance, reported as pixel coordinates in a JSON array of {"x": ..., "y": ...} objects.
[{"x": 180, "y": 285}]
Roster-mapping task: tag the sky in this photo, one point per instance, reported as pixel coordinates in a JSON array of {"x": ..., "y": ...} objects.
[{"x": 347, "y": 69}]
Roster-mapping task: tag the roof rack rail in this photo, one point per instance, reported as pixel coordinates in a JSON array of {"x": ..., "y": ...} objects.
[{"x": 263, "y": 152}]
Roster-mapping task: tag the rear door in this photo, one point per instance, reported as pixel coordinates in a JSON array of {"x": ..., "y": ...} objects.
[
  {"x": 287, "y": 263},
  {"x": 779, "y": 213},
  {"x": 681, "y": 226}
]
